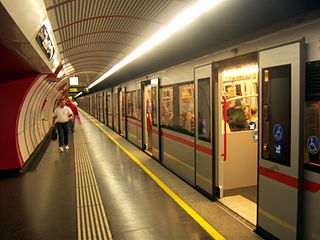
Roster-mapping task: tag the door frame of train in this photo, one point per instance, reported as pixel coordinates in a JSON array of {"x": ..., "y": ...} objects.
[
  {"x": 216, "y": 96},
  {"x": 143, "y": 84},
  {"x": 204, "y": 72},
  {"x": 122, "y": 94},
  {"x": 293, "y": 54},
  {"x": 111, "y": 99}
]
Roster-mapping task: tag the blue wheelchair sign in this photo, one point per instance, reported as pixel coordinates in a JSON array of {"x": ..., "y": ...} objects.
[
  {"x": 252, "y": 126},
  {"x": 277, "y": 132},
  {"x": 313, "y": 145}
]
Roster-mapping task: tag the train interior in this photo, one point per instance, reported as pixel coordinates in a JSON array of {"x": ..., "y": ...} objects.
[
  {"x": 147, "y": 123},
  {"x": 122, "y": 112},
  {"x": 238, "y": 130}
]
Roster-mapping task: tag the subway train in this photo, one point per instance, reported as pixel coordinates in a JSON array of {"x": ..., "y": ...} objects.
[{"x": 241, "y": 125}]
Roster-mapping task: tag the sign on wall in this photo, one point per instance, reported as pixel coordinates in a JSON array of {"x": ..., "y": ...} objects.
[{"x": 45, "y": 42}]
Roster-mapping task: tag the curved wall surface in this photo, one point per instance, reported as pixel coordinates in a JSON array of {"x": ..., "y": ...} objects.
[
  {"x": 35, "y": 116},
  {"x": 26, "y": 115}
]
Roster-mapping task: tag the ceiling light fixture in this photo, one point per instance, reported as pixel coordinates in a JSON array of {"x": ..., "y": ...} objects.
[
  {"x": 176, "y": 24},
  {"x": 73, "y": 81},
  {"x": 78, "y": 94}
]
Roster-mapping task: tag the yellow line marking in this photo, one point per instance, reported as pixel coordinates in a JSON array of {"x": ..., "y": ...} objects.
[
  {"x": 132, "y": 135},
  {"x": 277, "y": 220},
  {"x": 187, "y": 166},
  {"x": 179, "y": 161},
  {"x": 204, "y": 178},
  {"x": 154, "y": 149},
  {"x": 203, "y": 223},
  {"x": 315, "y": 236}
]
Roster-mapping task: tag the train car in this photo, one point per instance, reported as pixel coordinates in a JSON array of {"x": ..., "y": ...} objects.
[{"x": 241, "y": 125}]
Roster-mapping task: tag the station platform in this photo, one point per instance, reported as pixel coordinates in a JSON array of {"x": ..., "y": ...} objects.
[{"x": 103, "y": 187}]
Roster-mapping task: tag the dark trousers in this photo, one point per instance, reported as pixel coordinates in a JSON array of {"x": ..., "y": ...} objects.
[
  {"x": 63, "y": 130},
  {"x": 72, "y": 122}
]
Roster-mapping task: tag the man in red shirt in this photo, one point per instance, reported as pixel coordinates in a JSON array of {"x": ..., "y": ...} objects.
[{"x": 74, "y": 110}]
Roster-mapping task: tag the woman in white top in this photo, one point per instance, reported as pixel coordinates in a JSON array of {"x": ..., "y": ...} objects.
[{"x": 61, "y": 116}]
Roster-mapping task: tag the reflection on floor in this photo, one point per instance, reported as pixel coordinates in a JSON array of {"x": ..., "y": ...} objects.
[
  {"x": 242, "y": 206},
  {"x": 247, "y": 192},
  {"x": 242, "y": 201}
]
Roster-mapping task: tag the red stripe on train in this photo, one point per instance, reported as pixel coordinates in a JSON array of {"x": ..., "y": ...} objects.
[
  {"x": 133, "y": 123},
  {"x": 288, "y": 180},
  {"x": 279, "y": 177},
  {"x": 178, "y": 139},
  {"x": 311, "y": 186}
]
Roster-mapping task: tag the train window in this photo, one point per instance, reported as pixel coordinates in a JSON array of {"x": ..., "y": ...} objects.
[
  {"x": 129, "y": 105},
  {"x": 312, "y": 117},
  {"x": 166, "y": 115},
  {"x": 240, "y": 87},
  {"x": 154, "y": 106},
  {"x": 276, "y": 130},
  {"x": 312, "y": 110},
  {"x": 109, "y": 103},
  {"x": 134, "y": 104},
  {"x": 115, "y": 105},
  {"x": 138, "y": 112},
  {"x": 186, "y": 107},
  {"x": 204, "y": 123}
]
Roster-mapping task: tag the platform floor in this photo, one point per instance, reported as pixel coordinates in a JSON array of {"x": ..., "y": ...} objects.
[{"x": 65, "y": 196}]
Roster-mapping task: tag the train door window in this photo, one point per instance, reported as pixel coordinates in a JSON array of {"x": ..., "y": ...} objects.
[
  {"x": 312, "y": 117},
  {"x": 186, "y": 108},
  {"x": 238, "y": 136},
  {"x": 129, "y": 104},
  {"x": 134, "y": 104},
  {"x": 276, "y": 86},
  {"x": 139, "y": 105},
  {"x": 166, "y": 95},
  {"x": 204, "y": 123},
  {"x": 154, "y": 106}
]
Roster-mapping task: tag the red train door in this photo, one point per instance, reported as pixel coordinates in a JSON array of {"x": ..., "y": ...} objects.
[{"x": 281, "y": 145}]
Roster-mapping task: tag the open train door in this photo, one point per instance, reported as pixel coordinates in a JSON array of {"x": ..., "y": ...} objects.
[
  {"x": 122, "y": 112},
  {"x": 281, "y": 146},
  {"x": 150, "y": 119}
]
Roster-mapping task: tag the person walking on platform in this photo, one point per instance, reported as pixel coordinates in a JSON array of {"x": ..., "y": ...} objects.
[
  {"x": 61, "y": 116},
  {"x": 74, "y": 110}
]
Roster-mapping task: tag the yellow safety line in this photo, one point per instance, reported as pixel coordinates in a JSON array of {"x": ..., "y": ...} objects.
[
  {"x": 187, "y": 166},
  {"x": 132, "y": 135},
  {"x": 154, "y": 149},
  {"x": 179, "y": 161},
  {"x": 203, "y": 223},
  {"x": 277, "y": 220}
]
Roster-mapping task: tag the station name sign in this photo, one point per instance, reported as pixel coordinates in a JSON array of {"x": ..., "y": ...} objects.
[{"x": 45, "y": 42}]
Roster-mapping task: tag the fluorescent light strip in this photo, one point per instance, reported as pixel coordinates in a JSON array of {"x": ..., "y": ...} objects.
[
  {"x": 78, "y": 94},
  {"x": 179, "y": 22}
]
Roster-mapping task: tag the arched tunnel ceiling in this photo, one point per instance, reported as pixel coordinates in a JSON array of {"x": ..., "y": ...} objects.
[{"x": 94, "y": 35}]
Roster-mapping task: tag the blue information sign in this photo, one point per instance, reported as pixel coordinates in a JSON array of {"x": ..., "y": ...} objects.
[
  {"x": 252, "y": 126},
  {"x": 277, "y": 132},
  {"x": 278, "y": 147},
  {"x": 313, "y": 145}
]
